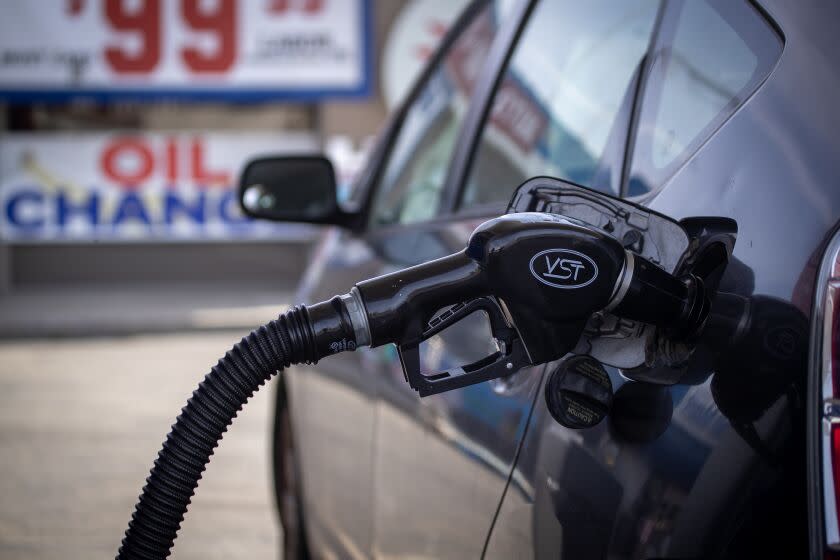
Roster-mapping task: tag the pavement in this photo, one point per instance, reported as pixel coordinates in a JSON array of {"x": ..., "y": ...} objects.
[
  {"x": 91, "y": 379},
  {"x": 81, "y": 421}
]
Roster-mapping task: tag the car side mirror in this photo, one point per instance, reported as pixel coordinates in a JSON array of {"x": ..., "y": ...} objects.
[{"x": 291, "y": 189}]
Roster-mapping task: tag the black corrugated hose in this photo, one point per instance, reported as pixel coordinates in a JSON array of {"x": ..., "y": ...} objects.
[{"x": 288, "y": 340}]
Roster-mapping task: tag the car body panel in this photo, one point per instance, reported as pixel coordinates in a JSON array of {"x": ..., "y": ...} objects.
[
  {"x": 333, "y": 406},
  {"x": 714, "y": 470},
  {"x": 703, "y": 488},
  {"x": 368, "y": 443},
  {"x": 442, "y": 462}
]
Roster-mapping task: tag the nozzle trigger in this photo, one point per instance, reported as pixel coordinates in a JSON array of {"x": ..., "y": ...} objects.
[{"x": 508, "y": 359}]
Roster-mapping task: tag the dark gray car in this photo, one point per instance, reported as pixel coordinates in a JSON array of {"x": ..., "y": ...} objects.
[{"x": 690, "y": 107}]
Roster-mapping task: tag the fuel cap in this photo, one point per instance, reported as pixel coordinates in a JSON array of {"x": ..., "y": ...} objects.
[{"x": 579, "y": 392}]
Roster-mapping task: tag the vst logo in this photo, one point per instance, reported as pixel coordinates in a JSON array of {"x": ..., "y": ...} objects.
[{"x": 563, "y": 268}]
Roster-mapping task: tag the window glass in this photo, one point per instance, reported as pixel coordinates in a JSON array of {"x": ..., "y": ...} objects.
[
  {"x": 711, "y": 55},
  {"x": 411, "y": 182},
  {"x": 558, "y": 107}
]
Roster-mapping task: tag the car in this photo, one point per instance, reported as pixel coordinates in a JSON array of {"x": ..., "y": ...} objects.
[{"x": 717, "y": 108}]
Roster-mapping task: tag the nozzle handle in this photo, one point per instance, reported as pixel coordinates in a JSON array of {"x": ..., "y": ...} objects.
[
  {"x": 509, "y": 358},
  {"x": 400, "y": 304}
]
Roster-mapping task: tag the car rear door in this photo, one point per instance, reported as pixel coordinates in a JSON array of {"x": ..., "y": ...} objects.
[{"x": 712, "y": 466}]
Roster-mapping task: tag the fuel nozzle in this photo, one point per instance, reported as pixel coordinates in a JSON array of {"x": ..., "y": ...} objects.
[
  {"x": 552, "y": 273},
  {"x": 539, "y": 277}
]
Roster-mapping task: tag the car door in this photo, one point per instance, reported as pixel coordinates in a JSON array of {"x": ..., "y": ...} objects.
[
  {"x": 712, "y": 466},
  {"x": 443, "y": 462},
  {"x": 336, "y": 416},
  {"x": 440, "y": 463}
]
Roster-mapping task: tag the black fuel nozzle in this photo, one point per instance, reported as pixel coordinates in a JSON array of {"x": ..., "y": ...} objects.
[
  {"x": 539, "y": 277},
  {"x": 651, "y": 295},
  {"x": 550, "y": 274}
]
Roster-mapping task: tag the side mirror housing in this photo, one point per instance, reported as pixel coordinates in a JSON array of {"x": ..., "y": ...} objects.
[{"x": 291, "y": 189}]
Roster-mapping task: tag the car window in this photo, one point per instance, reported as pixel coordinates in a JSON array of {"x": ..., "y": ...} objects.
[
  {"x": 556, "y": 108},
  {"x": 411, "y": 182},
  {"x": 710, "y": 57}
]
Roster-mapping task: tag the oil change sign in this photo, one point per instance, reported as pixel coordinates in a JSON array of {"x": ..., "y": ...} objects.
[
  {"x": 115, "y": 187},
  {"x": 240, "y": 49}
]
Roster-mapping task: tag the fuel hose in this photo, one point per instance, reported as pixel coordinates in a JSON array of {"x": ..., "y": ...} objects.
[
  {"x": 301, "y": 335},
  {"x": 550, "y": 273}
]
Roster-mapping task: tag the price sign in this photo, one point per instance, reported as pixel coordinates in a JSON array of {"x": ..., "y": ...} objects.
[{"x": 217, "y": 49}]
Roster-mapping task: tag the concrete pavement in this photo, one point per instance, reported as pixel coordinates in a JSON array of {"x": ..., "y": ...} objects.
[{"x": 81, "y": 421}]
